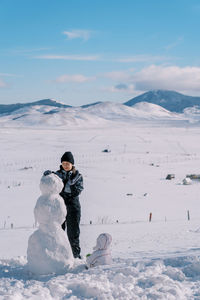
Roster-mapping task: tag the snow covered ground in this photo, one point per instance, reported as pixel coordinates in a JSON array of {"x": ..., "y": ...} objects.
[{"x": 157, "y": 260}]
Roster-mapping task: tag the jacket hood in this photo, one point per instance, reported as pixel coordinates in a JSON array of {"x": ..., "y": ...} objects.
[{"x": 103, "y": 241}]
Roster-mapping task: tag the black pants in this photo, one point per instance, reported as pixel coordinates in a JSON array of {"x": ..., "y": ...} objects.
[{"x": 73, "y": 226}]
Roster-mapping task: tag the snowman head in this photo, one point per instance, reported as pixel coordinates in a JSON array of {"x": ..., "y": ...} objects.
[{"x": 51, "y": 184}]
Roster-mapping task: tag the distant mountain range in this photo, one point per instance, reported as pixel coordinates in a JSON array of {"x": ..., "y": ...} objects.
[
  {"x": 170, "y": 100},
  {"x": 9, "y": 108},
  {"x": 51, "y": 114}
]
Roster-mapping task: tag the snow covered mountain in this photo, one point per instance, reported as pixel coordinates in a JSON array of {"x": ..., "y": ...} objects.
[
  {"x": 156, "y": 106},
  {"x": 170, "y": 100},
  {"x": 101, "y": 113},
  {"x": 9, "y": 108}
]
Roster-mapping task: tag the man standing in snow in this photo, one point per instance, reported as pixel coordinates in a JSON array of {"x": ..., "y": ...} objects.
[{"x": 73, "y": 185}]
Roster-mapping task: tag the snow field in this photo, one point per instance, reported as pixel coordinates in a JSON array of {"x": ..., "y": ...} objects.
[
  {"x": 136, "y": 273},
  {"x": 124, "y": 280},
  {"x": 138, "y": 166},
  {"x": 157, "y": 260}
]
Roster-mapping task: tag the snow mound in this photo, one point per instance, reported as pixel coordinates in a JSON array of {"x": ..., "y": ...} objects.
[
  {"x": 192, "y": 113},
  {"x": 44, "y": 116},
  {"x": 153, "y": 109},
  {"x": 142, "y": 110},
  {"x": 195, "y": 110},
  {"x": 168, "y": 278},
  {"x": 99, "y": 114},
  {"x": 101, "y": 254}
]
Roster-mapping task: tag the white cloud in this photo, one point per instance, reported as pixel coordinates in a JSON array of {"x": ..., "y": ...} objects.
[
  {"x": 167, "y": 77},
  {"x": 174, "y": 44},
  {"x": 78, "y": 78},
  {"x": 142, "y": 58},
  {"x": 182, "y": 79},
  {"x": 69, "y": 57},
  {"x": 96, "y": 57},
  {"x": 30, "y": 50},
  {"x": 78, "y": 34},
  {"x": 121, "y": 88},
  {"x": 8, "y": 75}
]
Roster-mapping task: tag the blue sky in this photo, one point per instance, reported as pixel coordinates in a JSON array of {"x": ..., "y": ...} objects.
[{"x": 83, "y": 51}]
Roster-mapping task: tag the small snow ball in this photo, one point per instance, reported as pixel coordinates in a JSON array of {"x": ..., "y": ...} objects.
[
  {"x": 101, "y": 254},
  {"x": 51, "y": 184},
  {"x": 187, "y": 181}
]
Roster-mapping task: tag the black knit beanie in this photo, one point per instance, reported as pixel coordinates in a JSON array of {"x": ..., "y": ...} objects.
[{"x": 68, "y": 156}]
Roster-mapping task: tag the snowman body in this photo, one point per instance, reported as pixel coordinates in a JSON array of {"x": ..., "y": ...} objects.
[{"x": 49, "y": 250}]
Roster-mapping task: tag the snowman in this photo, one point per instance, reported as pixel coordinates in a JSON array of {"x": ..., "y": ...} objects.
[{"x": 49, "y": 250}]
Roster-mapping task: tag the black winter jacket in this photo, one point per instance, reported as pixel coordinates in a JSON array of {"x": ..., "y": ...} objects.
[{"x": 73, "y": 185}]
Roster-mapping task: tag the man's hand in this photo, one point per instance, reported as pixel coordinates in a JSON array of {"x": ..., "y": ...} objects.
[{"x": 47, "y": 172}]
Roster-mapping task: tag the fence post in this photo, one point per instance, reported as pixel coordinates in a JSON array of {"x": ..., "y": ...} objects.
[
  {"x": 188, "y": 215},
  {"x": 150, "y": 217}
]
